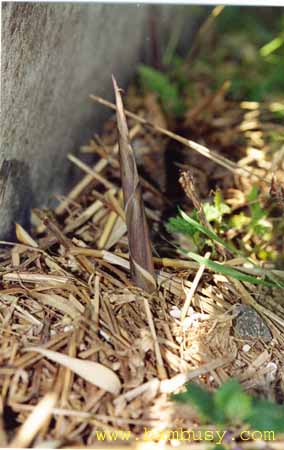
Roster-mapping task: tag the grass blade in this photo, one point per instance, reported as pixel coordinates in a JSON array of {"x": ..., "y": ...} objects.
[
  {"x": 229, "y": 271},
  {"x": 208, "y": 232},
  {"x": 93, "y": 372}
]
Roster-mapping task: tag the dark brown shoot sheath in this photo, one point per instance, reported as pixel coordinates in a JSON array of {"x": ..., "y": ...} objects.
[{"x": 140, "y": 252}]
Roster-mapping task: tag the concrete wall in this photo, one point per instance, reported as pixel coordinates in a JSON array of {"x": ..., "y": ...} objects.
[{"x": 53, "y": 57}]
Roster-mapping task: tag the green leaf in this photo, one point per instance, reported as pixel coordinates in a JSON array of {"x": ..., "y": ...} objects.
[
  {"x": 273, "y": 45},
  {"x": 215, "y": 213},
  {"x": 199, "y": 397},
  {"x": 211, "y": 234},
  {"x": 231, "y": 405},
  {"x": 234, "y": 404},
  {"x": 239, "y": 221},
  {"x": 161, "y": 84},
  {"x": 266, "y": 416},
  {"x": 257, "y": 223},
  {"x": 211, "y": 212},
  {"x": 253, "y": 195},
  {"x": 179, "y": 225},
  {"x": 222, "y": 207},
  {"x": 230, "y": 271},
  {"x": 222, "y": 268}
]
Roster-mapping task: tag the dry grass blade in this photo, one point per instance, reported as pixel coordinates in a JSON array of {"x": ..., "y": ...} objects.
[
  {"x": 171, "y": 385},
  {"x": 160, "y": 365},
  {"x": 38, "y": 418},
  {"x": 72, "y": 308},
  {"x": 94, "y": 373},
  {"x": 35, "y": 278},
  {"x": 142, "y": 267},
  {"x": 190, "y": 293},
  {"x": 90, "y": 171},
  {"x": 24, "y": 237}
]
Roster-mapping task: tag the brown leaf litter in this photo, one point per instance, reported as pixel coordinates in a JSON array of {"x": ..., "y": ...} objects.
[{"x": 83, "y": 348}]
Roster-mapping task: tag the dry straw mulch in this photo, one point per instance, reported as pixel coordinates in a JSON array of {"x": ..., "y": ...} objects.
[{"x": 82, "y": 348}]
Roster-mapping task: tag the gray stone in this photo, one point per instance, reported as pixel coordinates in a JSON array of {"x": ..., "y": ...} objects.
[
  {"x": 53, "y": 57},
  {"x": 250, "y": 325}
]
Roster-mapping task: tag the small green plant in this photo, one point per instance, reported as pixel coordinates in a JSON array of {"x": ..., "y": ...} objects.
[
  {"x": 256, "y": 221},
  {"x": 231, "y": 406},
  {"x": 191, "y": 227},
  {"x": 214, "y": 213}
]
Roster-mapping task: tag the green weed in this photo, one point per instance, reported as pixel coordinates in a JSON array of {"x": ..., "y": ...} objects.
[{"x": 229, "y": 405}]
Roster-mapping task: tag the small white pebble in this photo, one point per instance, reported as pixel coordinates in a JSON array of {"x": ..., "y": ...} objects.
[
  {"x": 272, "y": 373},
  {"x": 68, "y": 328},
  {"x": 187, "y": 323},
  {"x": 192, "y": 321},
  {"x": 175, "y": 312},
  {"x": 190, "y": 311},
  {"x": 246, "y": 348}
]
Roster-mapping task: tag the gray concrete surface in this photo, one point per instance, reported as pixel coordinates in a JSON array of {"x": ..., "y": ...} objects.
[{"x": 53, "y": 57}]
